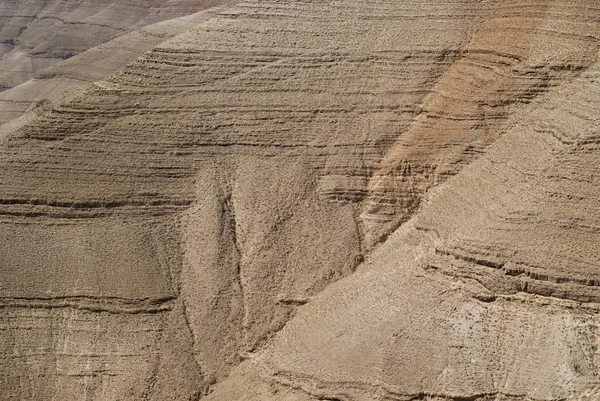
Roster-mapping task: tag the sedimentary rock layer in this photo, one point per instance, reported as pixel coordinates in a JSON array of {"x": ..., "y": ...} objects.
[
  {"x": 315, "y": 200},
  {"x": 489, "y": 292},
  {"x": 51, "y": 84},
  {"x": 37, "y": 34}
]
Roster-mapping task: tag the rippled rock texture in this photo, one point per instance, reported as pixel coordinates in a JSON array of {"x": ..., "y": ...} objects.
[{"x": 321, "y": 200}]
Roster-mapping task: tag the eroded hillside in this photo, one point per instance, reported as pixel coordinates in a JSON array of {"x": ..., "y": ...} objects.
[
  {"x": 384, "y": 200},
  {"x": 52, "y": 84},
  {"x": 35, "y": 35}
]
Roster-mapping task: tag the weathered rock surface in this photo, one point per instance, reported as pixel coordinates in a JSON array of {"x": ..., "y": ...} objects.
[
  {"x": 384, "y": 200},
  {"x": 489, "y": 292},
  {"x": 37, "y": 34},
  {"x": 51, "y": 84}
]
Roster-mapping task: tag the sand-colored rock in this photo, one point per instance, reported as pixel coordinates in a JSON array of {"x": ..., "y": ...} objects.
[
  {"x": 521, "y": 51},
  {"x": 37, "y": 34},
  {"x": 334, "y": 200},
  {"x": 489, "y": 292},
  {"x": 51, "y": 84}
]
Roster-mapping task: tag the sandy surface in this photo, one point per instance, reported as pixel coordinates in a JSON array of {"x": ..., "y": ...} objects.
[{"x": 324, "y": 200}]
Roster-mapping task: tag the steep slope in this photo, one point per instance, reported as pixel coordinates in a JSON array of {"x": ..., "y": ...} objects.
[
  {"x": 52, "y": 83},
  {"x": 489, "y": 293},
  {"x": 211, "y": 184},
  {"x": 37, "y": 34},
  {"x": 166, "y": 224}
]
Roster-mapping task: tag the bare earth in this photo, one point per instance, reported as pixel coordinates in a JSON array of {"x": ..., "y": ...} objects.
[{"x": 282, "y": 200}]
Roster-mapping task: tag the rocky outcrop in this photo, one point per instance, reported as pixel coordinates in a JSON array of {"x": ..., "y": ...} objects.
[
  {"x": 488, "y": 293},
  {"x": 314, "y": 200}
]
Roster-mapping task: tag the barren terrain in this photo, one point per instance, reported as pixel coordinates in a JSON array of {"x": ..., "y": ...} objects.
[{"x": 301, "y": 200}]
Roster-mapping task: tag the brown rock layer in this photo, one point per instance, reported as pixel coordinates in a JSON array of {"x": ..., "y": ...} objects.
[
  {"x": 198, "y": 222},
  {"x": 521, "y": 51}
]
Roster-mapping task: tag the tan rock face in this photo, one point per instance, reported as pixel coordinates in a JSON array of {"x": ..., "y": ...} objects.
[
  {"x": 505, "y": 64},
  {"x": 385, "y": 200},
  {"x": 489, "y": 291},
  {"x": 37, "y": 34},
  {"x": 51, "y": 84}
]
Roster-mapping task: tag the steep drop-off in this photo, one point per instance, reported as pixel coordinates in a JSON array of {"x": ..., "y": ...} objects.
[{"x": 384, "y": 200}]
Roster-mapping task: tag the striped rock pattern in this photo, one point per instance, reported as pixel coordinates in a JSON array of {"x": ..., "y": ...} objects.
[
  {"x": 51, "y": 84},
  {"x": 296, "y": 200},
  {"x": 35, "y": 35}
]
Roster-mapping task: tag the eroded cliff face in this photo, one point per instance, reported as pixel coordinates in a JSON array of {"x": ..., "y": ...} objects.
[
  {"x": 488, "y": 292},
  {"x": 391, "y": 200}
]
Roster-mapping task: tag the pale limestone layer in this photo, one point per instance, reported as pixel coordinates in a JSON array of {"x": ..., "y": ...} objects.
[
  {"x": 50, "y": 85},
  {"x": 35, "y": 35}
]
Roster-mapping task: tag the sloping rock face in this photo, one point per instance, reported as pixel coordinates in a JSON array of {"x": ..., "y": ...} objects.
[
  {"x": 50, "y": 85},
  {"x": 384, "y": 200},
  {"x": 37, "y": 34},
  {"x": 489, "y": 292}
]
